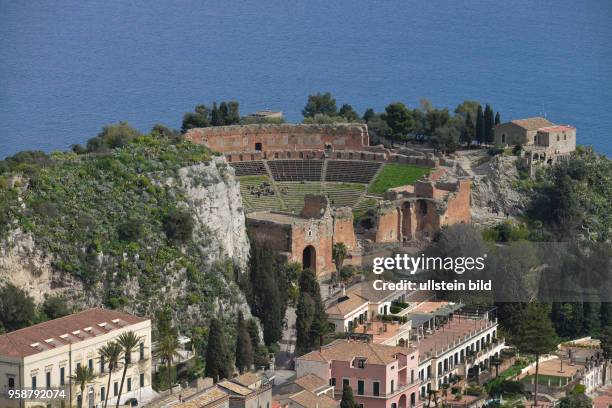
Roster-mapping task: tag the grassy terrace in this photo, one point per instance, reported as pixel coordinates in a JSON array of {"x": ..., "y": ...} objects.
[
  {"x": 395, "y": 175},
  {"x": 251, "y": 201}
]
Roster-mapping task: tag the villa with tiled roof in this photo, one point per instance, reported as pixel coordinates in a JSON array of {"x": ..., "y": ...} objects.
[
  {"x": 380, "y": 376},
  {"x": 45, "y": 355}
]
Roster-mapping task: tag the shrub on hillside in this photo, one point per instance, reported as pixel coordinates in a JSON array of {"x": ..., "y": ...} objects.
[{"x": 178, "y": 225}]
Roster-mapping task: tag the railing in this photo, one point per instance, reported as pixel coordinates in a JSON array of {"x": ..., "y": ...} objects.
[{"x": 398, "y": 390}]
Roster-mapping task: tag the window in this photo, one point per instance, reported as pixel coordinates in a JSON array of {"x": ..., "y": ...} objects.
[
  {"x": 33, "y": 382},
  {"x": 361, "y": 363},
  {"x": 48, "y": 379},
  {"x": 11, "y": 382},
  {"x": 142, "y": 380},
  {"x": 62, "y": 375},
  {"x": 78, "y": 365},
  {"x": 393, "y": 405},
  {"x": 558, "y": 138},
  {"x": 129, "y": 384},
  {"x": 392, "y": 385},
  {"x": 102, "y": 393},
  {"x": 345, "y": 383},
  {"x": 332, "y": 382},
  {"x": 90, "y": 364},
  {"x": 258, "y": 147},
  {"x": 360, "y": 387},
  {"x": 411, "y": 376},
  {"x": 142, "y": 356},
  {"x": 376, "y": 388},
  {"x": 115, "y": 389},
  {"x": 412, "y": 399}
]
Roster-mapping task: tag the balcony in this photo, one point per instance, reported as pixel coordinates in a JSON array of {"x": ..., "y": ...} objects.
[{"x": 398, "y": 390}]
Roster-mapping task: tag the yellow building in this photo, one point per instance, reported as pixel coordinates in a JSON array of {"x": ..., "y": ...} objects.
[{"x": 44, "y": 356}]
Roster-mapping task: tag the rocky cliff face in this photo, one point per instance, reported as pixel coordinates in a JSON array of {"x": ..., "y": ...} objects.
[
  {"x": 213, "y": 197},
  {"x": 195, "y": 278}
]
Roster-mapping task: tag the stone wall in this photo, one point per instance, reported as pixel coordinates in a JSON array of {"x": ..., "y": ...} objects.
[{"x": 268, "y": 137}]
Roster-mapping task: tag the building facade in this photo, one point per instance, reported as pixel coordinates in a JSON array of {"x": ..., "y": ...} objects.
[
  {"x": 380, "y": 376},
  {"x": 44, "y": 356}
]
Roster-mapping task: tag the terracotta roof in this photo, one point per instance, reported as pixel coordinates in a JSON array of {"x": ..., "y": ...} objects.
[
  {"x": 235, "y": 388},
  {"x": 366, "y": 290},
  {"x": 348, "y": 304},
  {"x": 533, "y": 123},
  {"x": 347, "y": 350},
  {"x": 210, "y": 396},
  {"x": 68, "y": 329},
  {"x": 247, "y": 379},
  {"x": 311, "y": 382},
  {"x": 556, "y": 128},
  {"x": 310, "y": 400}
]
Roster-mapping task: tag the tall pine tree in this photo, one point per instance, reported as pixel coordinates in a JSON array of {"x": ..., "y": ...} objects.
[
  {"x": 218, "y": 364},
  {"x": 480, "y": 126},
  {"x": 605, "y": 314},
  {"x": 469, "y": 130},
  {"x": 497, "y": 119},
  {"x": 535, "y": 335},
  {"x": 488, "y": 124},
  {"x": 244, "y": 346}
]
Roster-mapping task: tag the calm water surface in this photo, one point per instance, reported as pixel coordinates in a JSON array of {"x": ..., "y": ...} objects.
[{"x": 69, "y": 67}]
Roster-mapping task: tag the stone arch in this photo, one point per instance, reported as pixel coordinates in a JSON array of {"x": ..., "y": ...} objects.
[
  {"x": 402, "y": 401},
  {"x": 309, "y": 258}
]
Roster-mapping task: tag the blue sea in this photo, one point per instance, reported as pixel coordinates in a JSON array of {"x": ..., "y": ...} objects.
[{"x": 69, "y": 67}]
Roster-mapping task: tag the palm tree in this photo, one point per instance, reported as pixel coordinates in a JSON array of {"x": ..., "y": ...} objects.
[
  {"x": 167, "y": 350},
  {"x": 128, "y": 342},
  {"x": 110, "y": 353},
  {"x": 82, "y": 376}
]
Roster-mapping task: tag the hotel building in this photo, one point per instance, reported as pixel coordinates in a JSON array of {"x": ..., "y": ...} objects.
[{"x": 44, "y": 356}]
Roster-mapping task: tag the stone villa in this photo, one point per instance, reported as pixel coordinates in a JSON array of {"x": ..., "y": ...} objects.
[{"x": 541, "y": 139}]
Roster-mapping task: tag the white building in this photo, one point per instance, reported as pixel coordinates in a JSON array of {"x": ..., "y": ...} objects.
[{"x": 44, "y": 356}]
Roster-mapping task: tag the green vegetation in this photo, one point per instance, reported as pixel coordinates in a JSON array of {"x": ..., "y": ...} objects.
[
  {"x": 553, "y": 380},
  {"x": 363, "y": 207},
  {"x": 227, "y": 113},
  {"x": 16, "y": 308},
  {"x": 348, "y": 401},
  {"x": 311, "y": 323},
  {"x": 535, "y": 335},
  {"x": 395, "y": 175},
  {"x": 244, "y": 345},
  {"x": 118, "y": 222},
  {"x": 218, "y": 363}
]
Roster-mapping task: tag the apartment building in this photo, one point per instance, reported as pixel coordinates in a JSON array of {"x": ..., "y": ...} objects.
[
  {"x": 380, "y": 376},
  {"x": 461, "y": 347},
  {"x": 44, "y": 356}
]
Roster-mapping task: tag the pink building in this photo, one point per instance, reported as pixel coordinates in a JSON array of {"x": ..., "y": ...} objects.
[{"x": 380, "y": 376}]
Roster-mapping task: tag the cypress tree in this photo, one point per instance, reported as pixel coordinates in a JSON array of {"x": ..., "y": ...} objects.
[
  {"x": 233, "y": 116},
  {"x": 253, "y": 330},
  {"x": 311, "y": 321},
  {"x": 480, "y": 126},
  {"x": 535, "y": 335},
  {"x": 244, "y": 346},
  {"x": 469, "y": 131},
  {"x": 216, "y": 119},
  {"x": 224, "y": 113},
  {"x": 488, "y": 123},
  {"x": 218, "y": 365},
  {"x": 497, "y": 119},
  {"x": 347, "y": 398}
]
